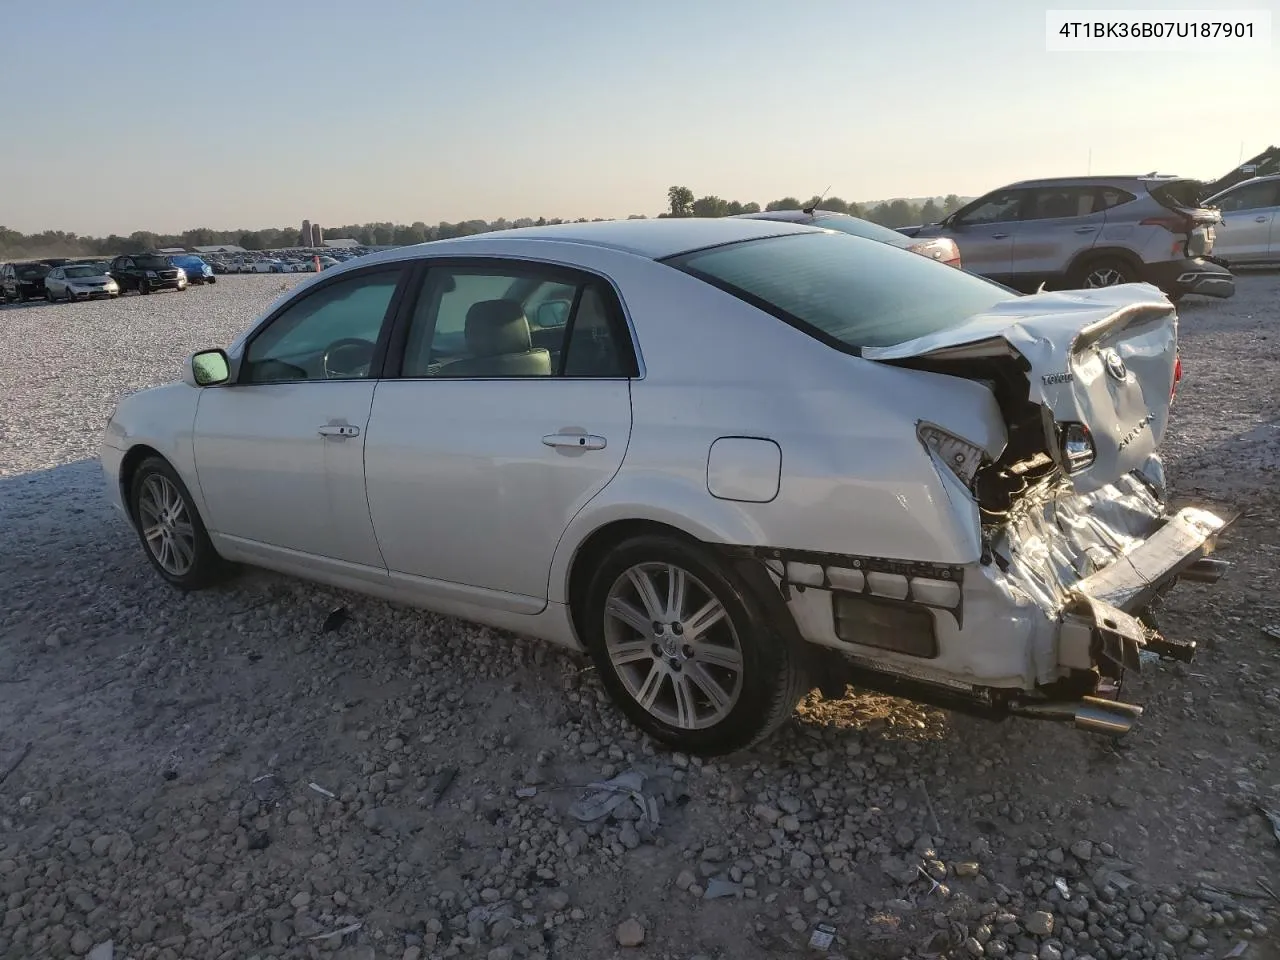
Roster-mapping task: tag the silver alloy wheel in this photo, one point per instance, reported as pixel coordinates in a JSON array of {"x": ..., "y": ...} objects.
[
  {"x": 1104, "y": 277},
  {"x": 673, "y": 645},
  {"x": 166, "y": 525}
]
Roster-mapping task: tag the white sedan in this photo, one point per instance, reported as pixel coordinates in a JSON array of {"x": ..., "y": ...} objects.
[{"x": 730, "y": 458}]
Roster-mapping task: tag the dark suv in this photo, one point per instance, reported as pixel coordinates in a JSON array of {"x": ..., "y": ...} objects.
[
  {"x": 23, "y": 281},
  {"x": 145, "y": 272}
]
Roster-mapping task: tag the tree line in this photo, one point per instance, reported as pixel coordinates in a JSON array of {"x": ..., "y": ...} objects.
[
  {"x": 681, "y": 202},
  {"x": 889, "y": 213}
]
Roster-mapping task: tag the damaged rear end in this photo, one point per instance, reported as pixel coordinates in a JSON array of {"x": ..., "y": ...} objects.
[{"x": 1078, "y": 541}]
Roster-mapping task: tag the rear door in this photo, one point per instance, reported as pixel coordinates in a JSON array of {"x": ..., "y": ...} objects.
[
  {"x": 280, "y": 452},
  {"x": 1057, "y": 225},
  {"x": 984, "y": 232},
  {"x": 1248, "y": 217},
  {"x": 507, "y": 407}
]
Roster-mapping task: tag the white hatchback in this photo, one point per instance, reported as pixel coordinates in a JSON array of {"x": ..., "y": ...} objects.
[{"x": 730, "y": 458}]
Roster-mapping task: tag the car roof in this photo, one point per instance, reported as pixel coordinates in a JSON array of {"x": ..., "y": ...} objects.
[
  {"x": 1269, "y": 178},
  {"x": 1094, "y": 179},
  {"x": 655, "y": 239}
]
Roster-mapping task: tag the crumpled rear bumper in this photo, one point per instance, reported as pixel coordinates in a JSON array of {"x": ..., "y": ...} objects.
[{"x": 1046, "y": 625}]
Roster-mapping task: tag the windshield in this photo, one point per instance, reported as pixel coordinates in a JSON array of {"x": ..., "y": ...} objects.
[
  {"x": 847, "y": 291},
  {"x": 152, "y": 263},
  {"x": 187, "y": 262},
  {"x": 860, "y": 228},
  {"x": 77, "y": 273},
  {"x": 33, "y": 271}
]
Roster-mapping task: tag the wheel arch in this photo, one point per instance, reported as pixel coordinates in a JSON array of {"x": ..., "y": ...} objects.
[
  {"x": 1086, "y": 257},
  {"x": 129, "y": 465}
]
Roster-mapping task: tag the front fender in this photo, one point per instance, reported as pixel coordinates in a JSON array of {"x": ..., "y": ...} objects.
[{"x": 163, "y": 419}]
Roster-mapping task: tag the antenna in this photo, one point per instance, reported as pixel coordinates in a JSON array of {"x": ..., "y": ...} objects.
[{"x": 814, "y": 206}]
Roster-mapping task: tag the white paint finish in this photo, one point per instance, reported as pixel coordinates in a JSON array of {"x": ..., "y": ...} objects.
[
  {"x": 744, "y": 468},
  {"x": 269, "y": 476},
  {"x": 462, "y": 488},
  {"x": 478, "y": 518}
]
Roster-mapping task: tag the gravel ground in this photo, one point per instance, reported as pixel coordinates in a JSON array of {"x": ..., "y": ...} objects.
[{"x": 166, "y": 746}]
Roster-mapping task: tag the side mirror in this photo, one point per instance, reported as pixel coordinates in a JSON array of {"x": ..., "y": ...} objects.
[
  {"x": 209, "y": 368},
  {"x": 552, "y": 313}
]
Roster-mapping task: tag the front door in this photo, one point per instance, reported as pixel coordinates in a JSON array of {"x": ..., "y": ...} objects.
[
  {"x": 1248, "y": 212},
  {"x": 280, "y": 452},
  {"x": 511, "y": 411},
  {"x": 984, "y": 233}
]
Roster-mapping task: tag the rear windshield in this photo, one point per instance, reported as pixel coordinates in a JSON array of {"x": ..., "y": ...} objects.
[
  {"x": 847, "y": 291},
  {"x": 1178, "y": 193},
  {"x": 861, "y": 228}
]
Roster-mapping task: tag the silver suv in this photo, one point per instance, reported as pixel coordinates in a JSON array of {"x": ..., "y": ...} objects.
[{"x": 1091, "y": 232}]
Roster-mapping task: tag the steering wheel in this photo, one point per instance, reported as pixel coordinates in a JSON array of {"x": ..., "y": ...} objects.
[{"x": 347, "y": 358}]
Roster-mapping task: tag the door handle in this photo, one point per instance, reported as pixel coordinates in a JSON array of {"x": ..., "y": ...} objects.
[
  {"x": 999, "y": 236},
  {"x": 575, "y": 441},
  {"x": 339, "y": 430},
  {"x": 1085, "y": 229}
]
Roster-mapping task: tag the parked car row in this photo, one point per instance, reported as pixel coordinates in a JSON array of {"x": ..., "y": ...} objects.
[
  {"x": 284, "y": 261},
  {"x": 62, "y": 278}
]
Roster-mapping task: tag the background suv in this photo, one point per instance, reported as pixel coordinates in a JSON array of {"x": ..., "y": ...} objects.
[
  {"x": 1090, "y": 232},
  {"x": 23, "y": 281},
  {"x": 1250, "y": 230},
  {"x": 145, "y": 272}
]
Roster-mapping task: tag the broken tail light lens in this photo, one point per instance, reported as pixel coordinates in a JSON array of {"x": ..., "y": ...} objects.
[
  {"x": 1078, "y": 451},
  {"x": 1177, "y": 376}
]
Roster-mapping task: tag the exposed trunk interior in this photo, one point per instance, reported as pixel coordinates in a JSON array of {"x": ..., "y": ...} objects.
[{"x": 1027, "y": 459}]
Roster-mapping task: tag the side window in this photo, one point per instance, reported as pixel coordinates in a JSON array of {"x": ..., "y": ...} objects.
[
  {"x": 1108, "y": 197},
  {"x": 330, "y": 334},
  {"x": 593, "y": 349},
  {"x": 994, "y": 208},
  {"x": 1056, "y": 203},
  {"x": 1250, "y": 197},
  {"x": 489, "y": 323}
]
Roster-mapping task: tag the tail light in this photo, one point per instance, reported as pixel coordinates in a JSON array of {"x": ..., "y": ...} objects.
[
  {"x": 1177, "y": 375},
  {"x": 1078, "y": 450},
  {"x": 1173, "y": 222}
]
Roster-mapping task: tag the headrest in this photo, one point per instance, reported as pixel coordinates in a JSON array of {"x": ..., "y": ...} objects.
[{"x": 496, "y": 327}]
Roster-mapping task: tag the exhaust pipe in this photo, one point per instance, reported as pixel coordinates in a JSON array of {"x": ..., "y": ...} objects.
[
  {"x": 1093, "y": 714},
  {"x": 1205, "y": 570}
]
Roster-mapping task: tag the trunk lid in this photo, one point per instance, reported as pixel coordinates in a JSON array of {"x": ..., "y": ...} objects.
[{"x": 1099, "y": 365}]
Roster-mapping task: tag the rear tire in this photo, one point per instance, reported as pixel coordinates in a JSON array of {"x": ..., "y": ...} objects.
[
  {"x": 179, "y": 547},
  {"x": 1105, "y": 272},
  {"x": 709, "y": 678}
]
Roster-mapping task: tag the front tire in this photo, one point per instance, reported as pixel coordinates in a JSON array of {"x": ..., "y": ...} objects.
[
  {"x": 144, "y": 287},
  {"x": 685, "y": 649},
  {"x": 172, "y": 534}
]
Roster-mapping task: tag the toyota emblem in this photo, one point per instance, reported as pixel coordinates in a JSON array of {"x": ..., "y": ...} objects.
[{"x": 1115, "y": 366}]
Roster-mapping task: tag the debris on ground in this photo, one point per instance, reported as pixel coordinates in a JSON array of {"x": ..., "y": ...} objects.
[
  {"x": 1272, "y": 630},
  {"x": 1273, "y": 817},
  {"x": 439, "y": 785},
  {"x": 823, "y": 936},
  {"x": 609, "y": 797},
  {"x": 336, "y": 618}
]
